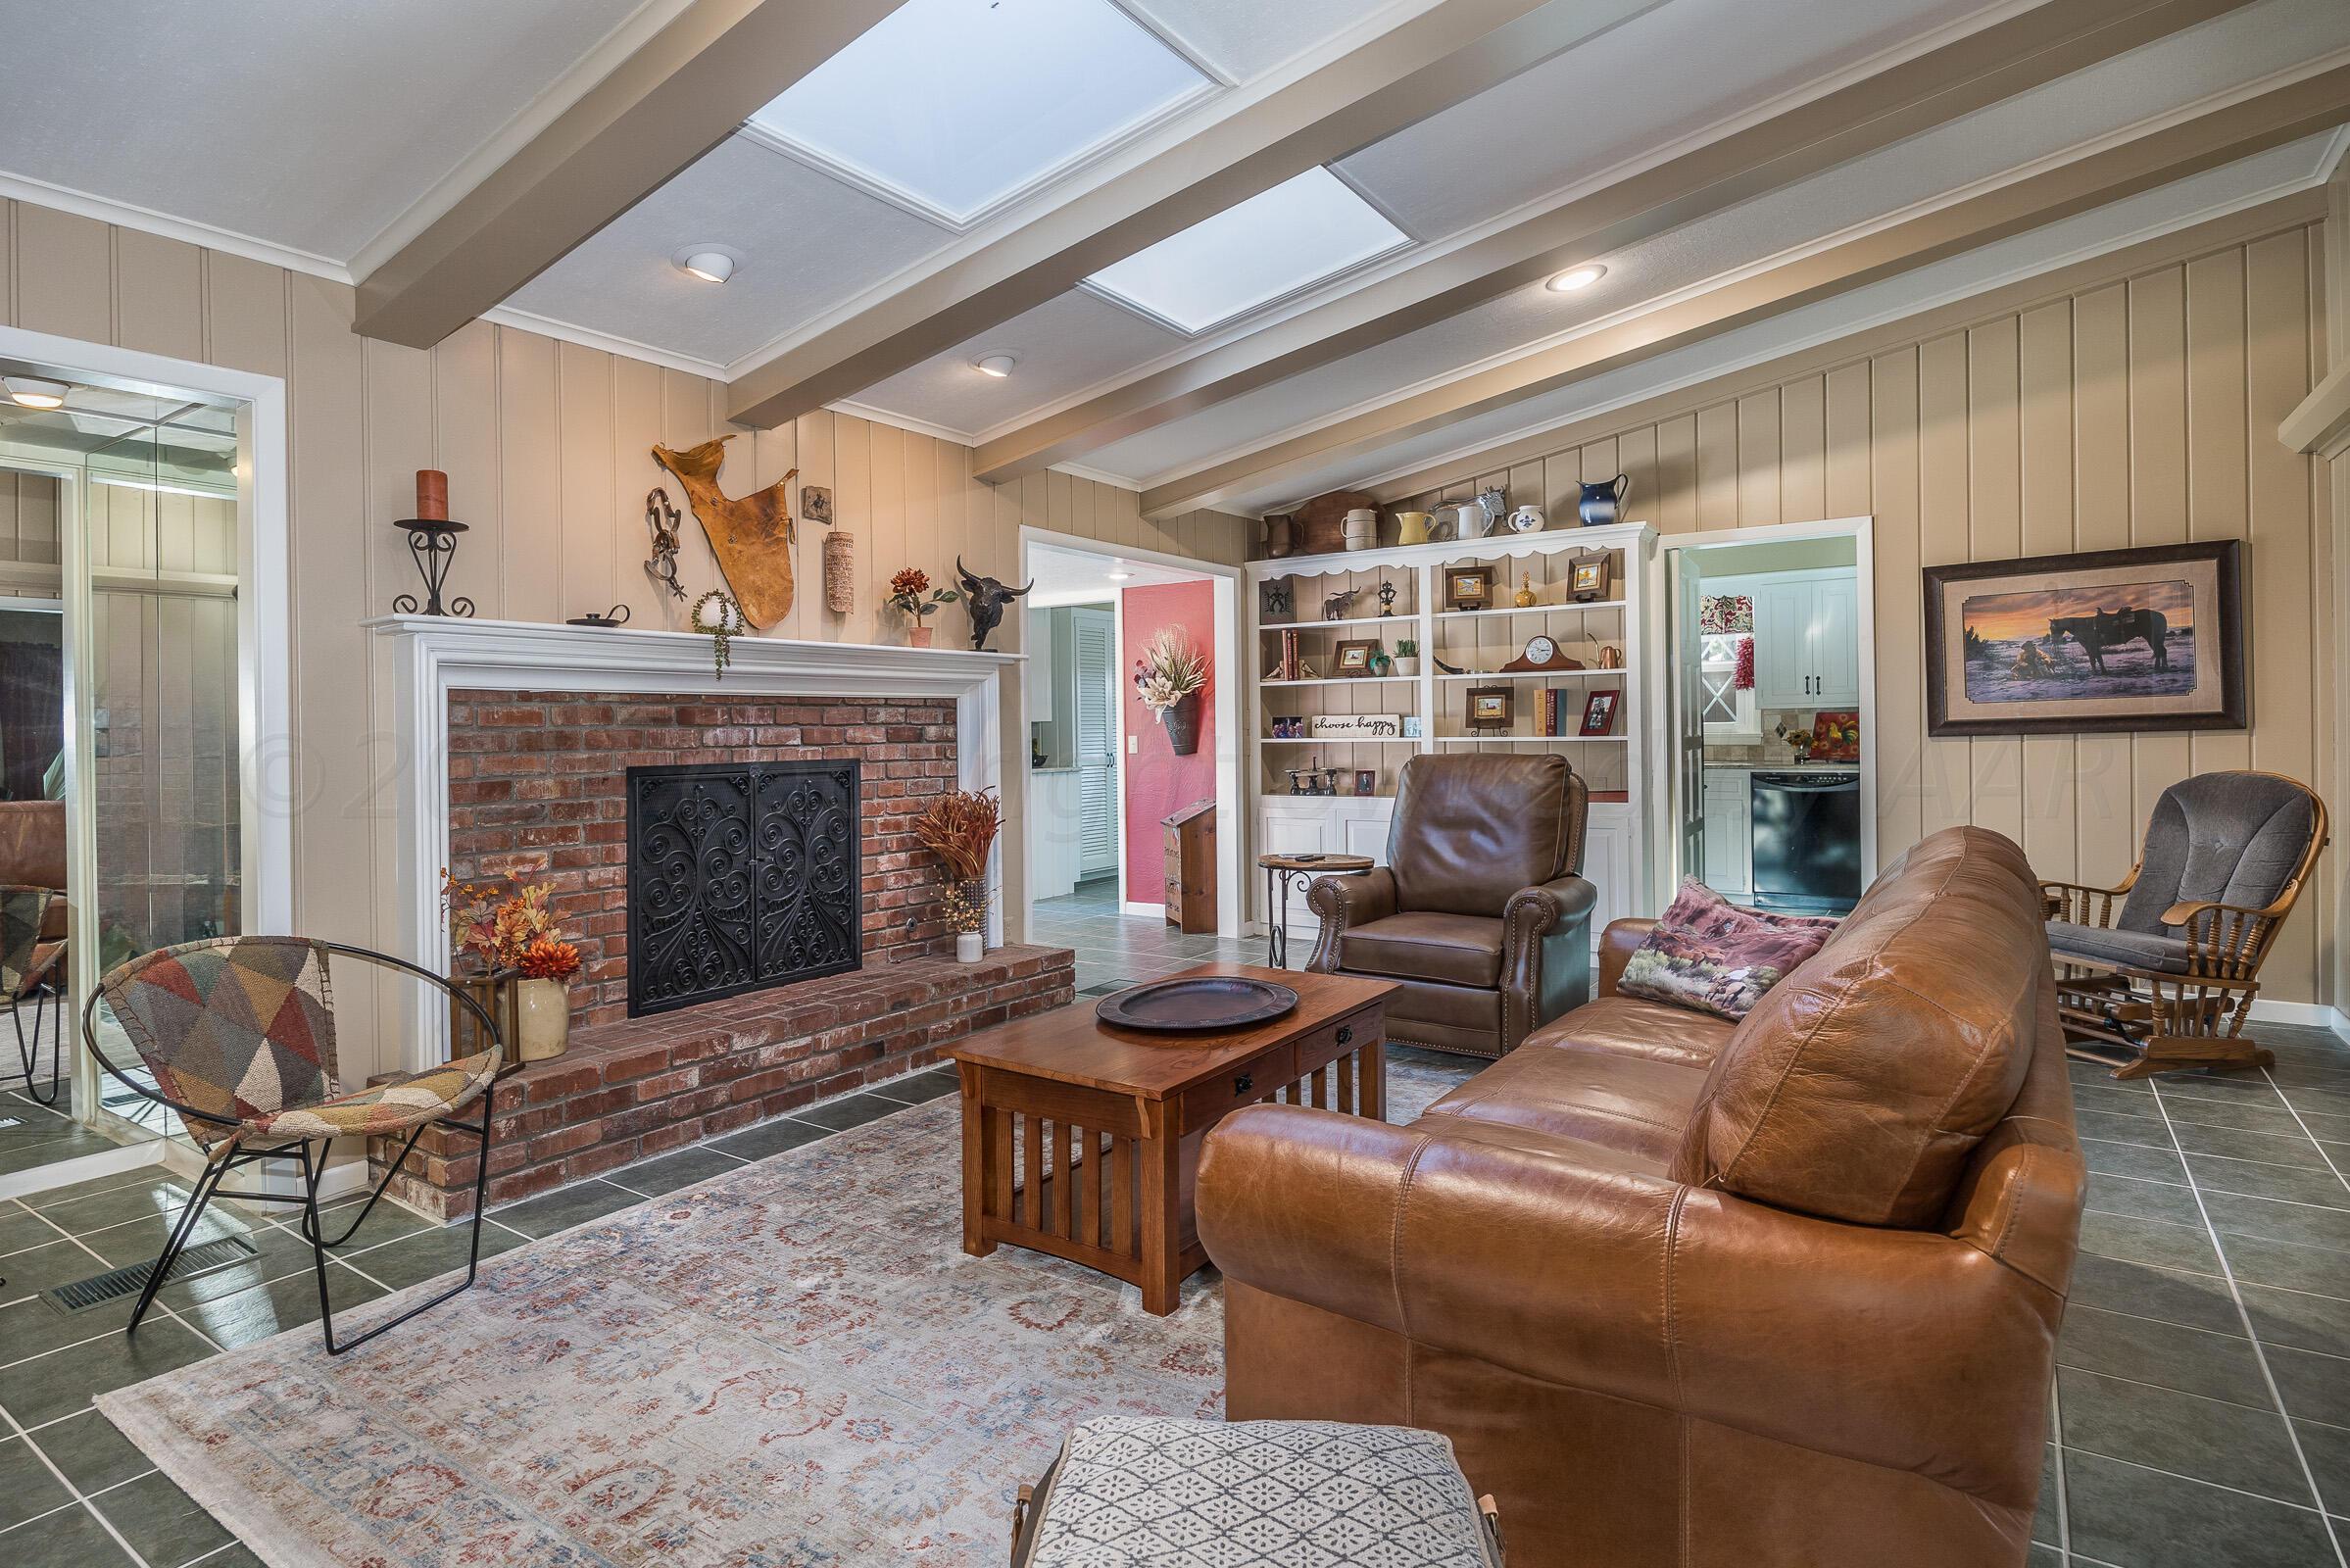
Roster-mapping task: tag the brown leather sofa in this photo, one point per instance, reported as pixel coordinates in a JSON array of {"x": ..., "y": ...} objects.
[
  {"x": 32, "y": 853},
  {"x": 1481, "y": 914},
  {"x": 1689, "y": 1295}
]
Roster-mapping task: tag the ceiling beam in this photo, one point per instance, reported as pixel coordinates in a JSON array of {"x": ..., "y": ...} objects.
[
  {"x": 665, "y": 105},
  {"x": 1931, "y": 89},
  {"x": 1251, "y": 142},
  {"x": 2184, "y": 147}
]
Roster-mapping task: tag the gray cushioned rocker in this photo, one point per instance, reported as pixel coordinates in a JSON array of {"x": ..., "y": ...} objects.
[{"x": 2164, "y": 982}]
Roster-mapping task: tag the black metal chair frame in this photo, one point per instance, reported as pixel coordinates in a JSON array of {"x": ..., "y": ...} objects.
[
  {"x": 45, "y": 996},
  {"x": 313, "y": 1170}
]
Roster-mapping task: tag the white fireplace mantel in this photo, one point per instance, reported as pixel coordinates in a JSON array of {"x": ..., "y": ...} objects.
[{"x": 433, "y": 656}]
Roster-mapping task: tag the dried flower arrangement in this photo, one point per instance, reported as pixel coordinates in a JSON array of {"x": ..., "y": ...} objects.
[
  {"x": 1169, "y": 671},
  {"x": 962, "y": 909},
  {"x": 959, "y": 829},
  {"x": 514, "y": 932},
  {"x": 908, "y": 591}
]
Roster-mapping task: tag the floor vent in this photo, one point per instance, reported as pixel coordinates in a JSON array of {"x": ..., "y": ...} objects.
[{"x": 115, "y": 1284}]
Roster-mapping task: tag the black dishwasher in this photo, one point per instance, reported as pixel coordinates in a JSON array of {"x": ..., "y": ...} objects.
[{"x": 1806, "y": 832}]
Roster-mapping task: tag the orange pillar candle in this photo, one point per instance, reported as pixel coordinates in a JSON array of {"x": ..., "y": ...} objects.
[{"x": 432, "y": 495}]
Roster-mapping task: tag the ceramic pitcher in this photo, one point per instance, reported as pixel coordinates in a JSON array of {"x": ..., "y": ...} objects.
[
  {"x": 1602, "y": 501},
  {"x": 1414, "y": 525}
]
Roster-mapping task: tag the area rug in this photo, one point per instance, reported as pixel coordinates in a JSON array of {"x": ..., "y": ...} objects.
[{"x": 793, "y": 1366}]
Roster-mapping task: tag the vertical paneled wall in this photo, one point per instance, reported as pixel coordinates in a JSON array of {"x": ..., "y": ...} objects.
[
  {"x": 546, "y": 445},
  {"x": 2137, "y": 411}
]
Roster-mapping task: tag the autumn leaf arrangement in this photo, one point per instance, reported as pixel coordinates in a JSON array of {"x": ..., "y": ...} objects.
[
  {"x": 508, "y": 931},
  {"x": 959, "y": 827}
]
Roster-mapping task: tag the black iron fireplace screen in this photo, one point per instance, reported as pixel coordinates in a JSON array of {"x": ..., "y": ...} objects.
[{"x": 740, "y": 877}]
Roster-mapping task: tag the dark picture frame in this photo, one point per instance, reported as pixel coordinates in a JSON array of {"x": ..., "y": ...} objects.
[
  {"x": 1468, "y": 587},
  {"x": 1353, "y": 656},
  {"x": 1600, "y": 710},
  {"x": 2126, "y": 620},
  {"x": 1492, "y": 708}
]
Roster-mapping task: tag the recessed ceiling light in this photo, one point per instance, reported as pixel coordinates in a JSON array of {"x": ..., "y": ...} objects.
[
  {"x": 1118, "y": 572},
  {"x": 36, "y": 393},
  {"x": 998, "y": 366},
  {"x": 1574, "y": 277},
  {"x": 712, "y": 263}
]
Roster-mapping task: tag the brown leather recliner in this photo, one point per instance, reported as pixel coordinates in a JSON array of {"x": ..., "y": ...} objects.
[
  {"x": 1481, "y": 914},
  {"x": 1683, "y": 1294},
  {"x": 32, "y": 853}
]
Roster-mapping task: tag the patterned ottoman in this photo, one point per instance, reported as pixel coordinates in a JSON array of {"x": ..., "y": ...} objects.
[{"x": 1128, "y": 1492}]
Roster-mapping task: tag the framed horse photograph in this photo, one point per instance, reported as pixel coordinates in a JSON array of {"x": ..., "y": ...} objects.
[{"x": 2147, "y": 639}]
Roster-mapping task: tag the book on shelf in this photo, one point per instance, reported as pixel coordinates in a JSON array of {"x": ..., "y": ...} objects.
[{"x": 1288, "y": 656}]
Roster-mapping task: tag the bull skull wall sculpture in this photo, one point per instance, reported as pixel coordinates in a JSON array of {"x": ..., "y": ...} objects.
[{"x": 750, "y": 535}]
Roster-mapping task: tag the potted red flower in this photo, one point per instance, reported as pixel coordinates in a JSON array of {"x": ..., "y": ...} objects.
[{"x": 910, "y": 592}]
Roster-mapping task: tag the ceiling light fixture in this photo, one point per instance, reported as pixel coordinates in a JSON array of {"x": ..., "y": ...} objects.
[
  {"x": 1118, "y": 572},
  {"x": 998, "y": 366},
  {"x": 712, "y": 263},
  {"x": 34, "y": 393},
  {"x": 1574, "y": 277}
]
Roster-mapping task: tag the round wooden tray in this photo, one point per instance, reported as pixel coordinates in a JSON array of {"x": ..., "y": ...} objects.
[{"x": 1200, "y": 1004}]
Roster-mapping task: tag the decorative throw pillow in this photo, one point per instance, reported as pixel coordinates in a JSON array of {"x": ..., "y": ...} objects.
[{"x": 1712, "y": 956}]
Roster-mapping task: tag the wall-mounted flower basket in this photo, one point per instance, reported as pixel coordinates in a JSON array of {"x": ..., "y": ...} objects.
[{"x": 1183, "y": 725}]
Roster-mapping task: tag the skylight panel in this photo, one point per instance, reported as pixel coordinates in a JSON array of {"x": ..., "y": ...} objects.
[
  {"x": 956, "y": 106},
  {"x": 1302, "y": 231}
]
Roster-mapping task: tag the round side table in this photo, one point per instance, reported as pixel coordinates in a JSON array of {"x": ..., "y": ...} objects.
[{"x": 1285, "y": 871}]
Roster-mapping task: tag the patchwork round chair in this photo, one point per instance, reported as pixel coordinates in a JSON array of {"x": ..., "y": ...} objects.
[
  {"x": 30, "y": 978},
  {"x": 2158, "y": 972},
  {"x": 239, "y": 1035}
]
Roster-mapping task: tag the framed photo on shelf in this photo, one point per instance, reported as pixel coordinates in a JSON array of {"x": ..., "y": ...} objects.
[
  {"x": 1492, "y": 708},
  {"x": 1286, "y": 727},
  {"x": 1411, "y": 726},
  {"x": 1366, "y": 781},
  {"x": 1468, "y": 588},
  {"x": 1354, "y": 655},
  {"x": 2147, "y": 639},
  {"x": 1600, "y": 710},
  {"x": 1588, "y": 575}
]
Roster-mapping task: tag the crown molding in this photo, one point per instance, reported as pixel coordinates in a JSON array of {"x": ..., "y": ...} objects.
[
  {"x": 587, "y": 337},
  {"x": 146, "y": 220}
]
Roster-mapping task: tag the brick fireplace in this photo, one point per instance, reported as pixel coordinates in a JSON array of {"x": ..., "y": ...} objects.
[
  {"x": 526, "y": 738},
  {"x": 538, "y": 783}
]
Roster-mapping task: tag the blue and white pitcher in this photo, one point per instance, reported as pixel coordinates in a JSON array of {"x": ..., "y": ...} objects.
[{"x": 1602, "y": 503}]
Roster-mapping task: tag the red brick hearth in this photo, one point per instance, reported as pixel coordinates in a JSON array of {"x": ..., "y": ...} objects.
[
  {"x": 641, "y": 1087},
  {"x": 536, "y": 784}
]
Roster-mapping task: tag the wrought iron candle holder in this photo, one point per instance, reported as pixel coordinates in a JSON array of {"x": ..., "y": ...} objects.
[{"x": 432, "y": 545}]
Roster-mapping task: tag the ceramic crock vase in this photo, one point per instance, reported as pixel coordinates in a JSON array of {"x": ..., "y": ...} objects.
[
  {"x": 970, "y": 946},
  {"x": 542, "y": 1019},
  {"x": 1603, "y": 502}
]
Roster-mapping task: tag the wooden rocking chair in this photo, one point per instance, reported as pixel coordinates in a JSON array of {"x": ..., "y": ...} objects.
[{"x": 2163, "y": 982}]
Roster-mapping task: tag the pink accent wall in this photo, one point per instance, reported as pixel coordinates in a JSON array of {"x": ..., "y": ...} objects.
[{"x": 1159, "y": 783}]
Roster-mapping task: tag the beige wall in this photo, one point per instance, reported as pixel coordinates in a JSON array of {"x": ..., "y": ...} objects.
[
  {"x": 546, "y": 446},
  {"x": 2136, "y": 405}
]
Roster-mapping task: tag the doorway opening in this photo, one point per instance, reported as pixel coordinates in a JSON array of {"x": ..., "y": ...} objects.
[
  {"x": 1131, "y": 836},
  {"x": 1773, "y": 654},
  {"x": 124, "y": 673}
]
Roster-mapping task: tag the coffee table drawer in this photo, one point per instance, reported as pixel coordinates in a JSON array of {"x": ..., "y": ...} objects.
[{"x": 1244, "y": 1084}]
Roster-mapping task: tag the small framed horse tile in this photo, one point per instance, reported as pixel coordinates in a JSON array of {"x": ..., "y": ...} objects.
[{"x": 2150, "y": 639}]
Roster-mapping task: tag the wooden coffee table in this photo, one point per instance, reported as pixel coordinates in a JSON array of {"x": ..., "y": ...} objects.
[{"x": 1124, "y": 1112}]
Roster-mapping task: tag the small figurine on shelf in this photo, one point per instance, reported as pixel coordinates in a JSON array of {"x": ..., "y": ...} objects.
[
  {"x": 911, "y": 593},
  {"x": 1525, "y": 596},
  {"x": 1277, "y": 599},
  {"x": 1387, "y": 598},
  {"x": 1335, "y": 605}
]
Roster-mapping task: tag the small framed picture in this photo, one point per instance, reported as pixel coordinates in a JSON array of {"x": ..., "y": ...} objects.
[
  {"x": 1411, "y": 726},
  {"x": 1287, "y": 728},
  {"x": 1366, "y": 781},
  {"x": 1469, "y": 588},
  {"x": 1589, "y": 575},
  {"x": 1354, "y": 655},
  {"x": 1490, "y": 707},
  {"x": 1600, "y": 712}
]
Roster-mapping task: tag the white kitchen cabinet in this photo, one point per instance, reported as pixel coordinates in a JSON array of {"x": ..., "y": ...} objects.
[
  {"x": 1053, "y": 832},
  {"x": 1806, "y": 636},
  {"x": 1728, "y": 833},
  {"x": 1609, "y": 853}
]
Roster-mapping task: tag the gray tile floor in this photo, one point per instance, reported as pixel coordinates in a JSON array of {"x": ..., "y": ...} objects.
[
  {"x": 2200, "y": 1414},
  {"x": 1114, "y": 947}
]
